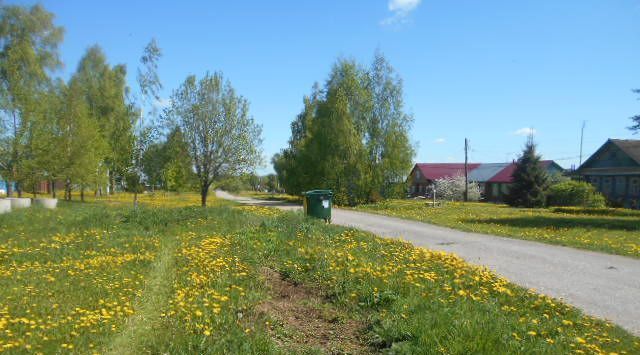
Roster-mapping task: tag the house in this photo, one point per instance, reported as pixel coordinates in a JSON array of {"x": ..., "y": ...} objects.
[
  {"x": 494, "y": 179},
  {"x": 614, "y": 170}
]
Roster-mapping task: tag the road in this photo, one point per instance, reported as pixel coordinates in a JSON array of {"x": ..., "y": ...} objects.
[{"x": 602, "y": 285}]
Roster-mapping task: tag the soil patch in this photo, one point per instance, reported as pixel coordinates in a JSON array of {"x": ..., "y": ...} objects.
[{"x": 305, "y": 321}]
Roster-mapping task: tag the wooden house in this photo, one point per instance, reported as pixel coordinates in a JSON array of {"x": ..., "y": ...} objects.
[{"x": 614, "y": 169}]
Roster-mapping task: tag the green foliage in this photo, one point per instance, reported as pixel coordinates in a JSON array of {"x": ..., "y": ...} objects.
[
  {"x": 530, "y": 180},
  {"x": 29, "y": 51},
  {"x": 575, "y": 193},
  {"x": 635, "y": 127},
  {"x": 223, "y": 139},
  {"x": 351, "y": 137},
  {"x": 104, "y": 92},
  {"x": 233, "y": 184},
  {"x": 81, "y": 147}
]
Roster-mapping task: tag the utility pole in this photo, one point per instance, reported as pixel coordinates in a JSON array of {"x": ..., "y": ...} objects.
[
  {"x": 581, "y": 141},
  {"x": 466, "y": 170}
]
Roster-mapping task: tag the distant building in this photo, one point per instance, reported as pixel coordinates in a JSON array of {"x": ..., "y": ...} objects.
[
  {"x": 494, "y": 179},
  {"x": 614, "y": 169}
]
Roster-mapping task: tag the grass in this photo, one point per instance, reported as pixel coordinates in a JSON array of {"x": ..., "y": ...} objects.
[
  {"x": 172, "y": 278},
  {"x": 614, "y": 231}
]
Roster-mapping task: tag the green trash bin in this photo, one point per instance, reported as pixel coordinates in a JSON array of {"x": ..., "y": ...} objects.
[{"x": 317, "y": 203}]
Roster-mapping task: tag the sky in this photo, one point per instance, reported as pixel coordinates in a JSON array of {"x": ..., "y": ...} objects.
[{"x": 492, "y": 71}]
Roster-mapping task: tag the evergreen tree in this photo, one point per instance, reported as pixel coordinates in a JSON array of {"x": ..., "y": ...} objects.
[
  {"x": 635, "y": 128},
  {"x": 530, "y": 180}
]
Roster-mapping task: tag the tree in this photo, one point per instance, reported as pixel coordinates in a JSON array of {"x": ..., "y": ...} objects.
[
  {"x": 223, "y": 139},
  {"x": 40, "y": 146},
  {"x": 360, "y": 110},
  {"x": 389, "y": 148},
  {"x": 104, "y": 90},
  {"x": 452, "y": 189},
  {"x": 635, "y": 128},
  {"x": 143, "y": 133},
  {"x": 28, "y": 51},
  {"x": 168, "y": 164},
  {"x": 334, "y": 155},
  {"x": 271, "y": 182},
  {"x": 530, "y": 180},
  {"x": 81, "y": 147}
]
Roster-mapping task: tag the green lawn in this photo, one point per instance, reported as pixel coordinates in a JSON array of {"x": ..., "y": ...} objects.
[
  {"x": 614, "y": 231},
  {"x": 169, "y": 278}
]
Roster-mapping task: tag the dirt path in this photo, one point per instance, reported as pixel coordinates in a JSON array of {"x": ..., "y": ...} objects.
[{"x": 603, "y": 285}]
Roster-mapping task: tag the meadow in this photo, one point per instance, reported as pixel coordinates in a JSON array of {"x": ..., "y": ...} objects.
[
  {"x": 170, "y": 277},
  {"x": 615, "y": 231}
]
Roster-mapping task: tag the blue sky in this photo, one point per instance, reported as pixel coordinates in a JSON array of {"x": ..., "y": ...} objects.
[{"x": 486, "y": 70}]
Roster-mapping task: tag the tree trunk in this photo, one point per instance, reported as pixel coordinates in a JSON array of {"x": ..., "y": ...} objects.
[
  {"x": 112, "y": 183},
  {"x": 204, "y": 191},
  {"x": 9, "y": 188},
  {"x": 135, "y": 200},
  {"x": 19, "y": 189},
  {"x": 67, "y": 190},
  {"x": 82, "y": 194},
  {"x": 53, "y": 188}
]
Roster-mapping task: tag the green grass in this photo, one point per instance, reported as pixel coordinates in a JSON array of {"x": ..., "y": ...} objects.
[
  {"x": 614, "y": 231},
  {"x": 168, "y": 278}
]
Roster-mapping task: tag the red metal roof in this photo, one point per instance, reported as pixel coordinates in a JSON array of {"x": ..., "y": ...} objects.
[
  {"x": 434, "y": 171},
  {"x": 505, "y": 175}
]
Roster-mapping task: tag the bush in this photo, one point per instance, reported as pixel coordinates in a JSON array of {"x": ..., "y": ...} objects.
[
  {"x": 452, "y": 189},
  {"x": 233, "y": 184},
  {"x": 575, "y": 193}
]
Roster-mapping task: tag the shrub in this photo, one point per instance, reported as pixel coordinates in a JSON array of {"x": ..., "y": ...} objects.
[
  {"x": 575, "y": 193},
  {"x": 233, "y": 184},
  {"x": 452, "y": 189}
]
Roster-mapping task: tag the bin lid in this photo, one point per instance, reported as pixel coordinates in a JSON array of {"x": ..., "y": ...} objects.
[{"x": 319, "y": 192}]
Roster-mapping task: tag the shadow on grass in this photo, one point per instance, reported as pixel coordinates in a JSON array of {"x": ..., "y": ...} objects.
[{"x": 562, "y": 222}]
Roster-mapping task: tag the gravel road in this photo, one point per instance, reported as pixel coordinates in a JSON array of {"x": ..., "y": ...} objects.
[{"x": 602, "y": 285}]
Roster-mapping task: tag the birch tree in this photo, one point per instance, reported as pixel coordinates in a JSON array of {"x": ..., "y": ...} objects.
[{"x": 28, "y": 52}]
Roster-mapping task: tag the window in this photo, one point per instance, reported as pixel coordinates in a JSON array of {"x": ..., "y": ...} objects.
[
  {"x": 634, "y": 186},
  {"x": 621, "y": 185},
  {"x": 607, "y": 185}
]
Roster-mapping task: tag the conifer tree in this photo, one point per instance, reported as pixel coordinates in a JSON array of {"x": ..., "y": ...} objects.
[
  {"x": 635, "y": 128},
  {"x": 530, "y": 180}
]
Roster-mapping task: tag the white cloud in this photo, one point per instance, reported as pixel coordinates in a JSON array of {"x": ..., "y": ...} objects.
[
  {"x": 403, "y": 5},
  {"x": 525, "y": 131},
  {"x": 439, "y": 141},
  {"x": 401, "y": 10}
]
